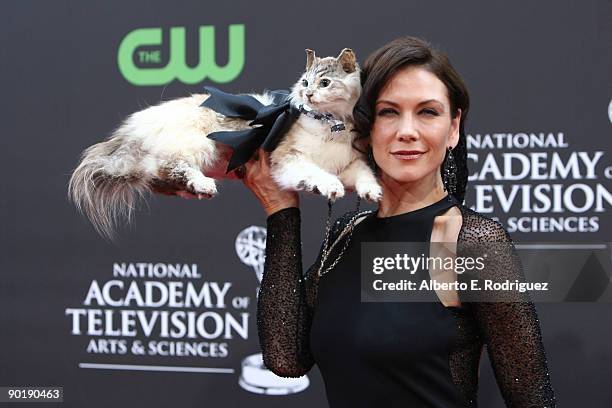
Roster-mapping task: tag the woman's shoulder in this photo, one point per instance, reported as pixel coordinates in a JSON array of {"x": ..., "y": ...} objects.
[{"x": 479, "y": 227}]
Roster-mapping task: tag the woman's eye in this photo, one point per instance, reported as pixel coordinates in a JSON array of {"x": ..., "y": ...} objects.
[
  {"x": 324, "y": 83},
  {"x": 430, "y": 111},
  {"x": 304, "y": 83},
  {"x": 386, "y": 111}
]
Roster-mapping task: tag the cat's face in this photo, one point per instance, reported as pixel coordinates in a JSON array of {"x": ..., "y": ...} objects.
[{"x": 330, "y": 84}]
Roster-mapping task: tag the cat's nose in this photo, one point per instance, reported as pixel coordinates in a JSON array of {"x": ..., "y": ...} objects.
[{"x": 309, "y": 94}]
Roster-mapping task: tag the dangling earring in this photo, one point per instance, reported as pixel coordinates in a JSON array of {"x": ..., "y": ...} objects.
[
  {"x": 449, "y": 173},
  {"x": 371, "y": 161}
]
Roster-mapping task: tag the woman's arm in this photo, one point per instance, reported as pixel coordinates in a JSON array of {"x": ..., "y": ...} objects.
[
  {"x": 511, "y": 329},
  {"x": 283, "y": 316},
  {"x": 286, "y": 299}
]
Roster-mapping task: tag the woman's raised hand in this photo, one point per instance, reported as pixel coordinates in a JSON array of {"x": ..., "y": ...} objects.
[{"x": 256, "y": 176}]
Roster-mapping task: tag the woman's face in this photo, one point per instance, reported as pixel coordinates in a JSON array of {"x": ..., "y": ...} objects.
[{"x": 413, "y": 127}]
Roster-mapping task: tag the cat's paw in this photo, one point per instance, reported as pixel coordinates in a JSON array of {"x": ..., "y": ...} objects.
[
  {"x": 330, "y": 187},
  {"x": 202, "y": 185},
  {"x": 369, "y": 191}
]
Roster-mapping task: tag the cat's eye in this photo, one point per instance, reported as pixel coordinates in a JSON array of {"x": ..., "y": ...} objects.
[
  {"x": 304, "y": 83},
  {"x": 324, "y": 83}
]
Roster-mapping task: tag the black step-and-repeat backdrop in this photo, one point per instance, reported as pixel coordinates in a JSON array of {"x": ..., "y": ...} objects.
[{"x": 166, "y": 315}]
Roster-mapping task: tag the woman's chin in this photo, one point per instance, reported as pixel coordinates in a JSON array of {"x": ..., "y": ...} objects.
[{"x": 401, "y": 178}]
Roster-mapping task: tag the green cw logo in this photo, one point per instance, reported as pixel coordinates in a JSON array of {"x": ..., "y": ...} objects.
[{"x": 177, "y": 68}]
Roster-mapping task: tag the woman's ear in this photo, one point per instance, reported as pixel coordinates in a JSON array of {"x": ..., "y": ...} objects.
[{"x": 454, "y": 130}]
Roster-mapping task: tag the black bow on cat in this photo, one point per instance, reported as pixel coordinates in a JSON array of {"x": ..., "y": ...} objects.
[{"x": 268, "y": 122}]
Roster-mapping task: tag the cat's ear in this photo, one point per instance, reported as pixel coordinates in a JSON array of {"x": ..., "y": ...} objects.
[
  {"x": 310, "y": 58},
  {"x": 347, "y": 60}
]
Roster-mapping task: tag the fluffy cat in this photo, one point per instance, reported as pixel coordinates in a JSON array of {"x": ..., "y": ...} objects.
[{"x": 167, "y": 144}]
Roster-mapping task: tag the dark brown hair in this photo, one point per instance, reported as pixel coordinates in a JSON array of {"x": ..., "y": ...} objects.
[{"x": 401, "y": 53}]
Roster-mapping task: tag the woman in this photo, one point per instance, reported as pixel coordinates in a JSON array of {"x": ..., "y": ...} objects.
[{"x": 389, "y": 354}]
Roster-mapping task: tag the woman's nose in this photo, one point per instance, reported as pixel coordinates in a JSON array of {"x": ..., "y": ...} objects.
[{"x": 406, "y": 128}]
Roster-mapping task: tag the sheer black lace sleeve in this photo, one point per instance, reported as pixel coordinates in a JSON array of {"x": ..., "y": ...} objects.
[
  {"x": 510, "y": 329},
  {"x": 286, "y": 298}
]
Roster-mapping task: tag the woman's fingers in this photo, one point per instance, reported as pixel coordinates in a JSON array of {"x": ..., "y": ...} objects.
[
  {"x": 265, "y": 159},
  {"x": 253, "y": 168}
]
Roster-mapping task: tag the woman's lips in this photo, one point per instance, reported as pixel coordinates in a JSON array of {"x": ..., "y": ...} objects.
[{"x": 408, "y": 154}]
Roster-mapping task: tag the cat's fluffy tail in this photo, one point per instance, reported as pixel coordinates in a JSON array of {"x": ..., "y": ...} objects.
[{"x": 105, "y": 187}]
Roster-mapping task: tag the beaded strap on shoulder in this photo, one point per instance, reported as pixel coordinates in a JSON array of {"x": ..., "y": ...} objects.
[{"x": 347, "y": 230}]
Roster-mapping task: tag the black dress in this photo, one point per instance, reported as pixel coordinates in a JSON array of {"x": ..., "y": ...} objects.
[{"x": 394, "y": 354}]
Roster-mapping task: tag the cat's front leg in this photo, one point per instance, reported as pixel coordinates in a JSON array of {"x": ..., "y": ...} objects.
[
  {"x": 189, "y": 175},
  {"x": 359, "y": 176},
  {"x": 300, "y": 173}
]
